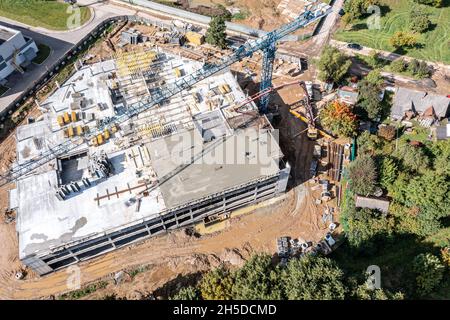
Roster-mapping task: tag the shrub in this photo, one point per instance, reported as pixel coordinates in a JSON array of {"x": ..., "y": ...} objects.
[
  {"x": 187, "y": 293},
  {"x": 429, "y": 272},
  {"x": 402, "y": 39},
  {"x": 434, "y": 3},
  {"x": 419, "y": 21},
  {"x": 363, "y": 175},
  {"x": 387, "y": 132},
  {"x": 398, "y": 65}
]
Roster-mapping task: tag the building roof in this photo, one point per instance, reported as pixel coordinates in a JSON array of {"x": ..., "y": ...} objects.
[
  {"x": 443, "y": 132},
  {"x": 6, "y": 33},
  {"x": 372, "y": 203},
  {"x": 240, "y": 158},
  {"x": 348, "y": 94},
  {"x": 419, "y": 102}
]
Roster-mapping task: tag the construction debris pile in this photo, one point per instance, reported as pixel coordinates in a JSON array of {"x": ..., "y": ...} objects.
[{"x": 288, "y": 247}]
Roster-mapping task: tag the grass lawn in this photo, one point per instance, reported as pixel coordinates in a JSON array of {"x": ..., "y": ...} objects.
[
  {"x": 433, "y": 45},
  {"x": 48, "y": 14},
  {"x": 44, "y": 52}
]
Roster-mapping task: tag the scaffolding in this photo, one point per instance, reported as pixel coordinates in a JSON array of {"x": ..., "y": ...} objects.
[{"x": 134, "y": 62}]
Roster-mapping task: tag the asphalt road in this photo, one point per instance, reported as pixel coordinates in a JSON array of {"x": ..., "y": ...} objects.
[{"x": 19, "y": 82}]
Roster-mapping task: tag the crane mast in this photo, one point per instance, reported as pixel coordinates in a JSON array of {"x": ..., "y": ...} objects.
[{"x": 266, "y": 43}]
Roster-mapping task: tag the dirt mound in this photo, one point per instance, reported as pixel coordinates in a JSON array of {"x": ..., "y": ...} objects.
[{"x": 233, "y": 257}]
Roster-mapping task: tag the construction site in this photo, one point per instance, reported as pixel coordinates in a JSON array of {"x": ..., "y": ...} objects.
[{"x": 157, "y": 131}]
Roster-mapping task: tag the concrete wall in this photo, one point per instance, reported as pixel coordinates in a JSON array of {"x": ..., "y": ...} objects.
[
  {"x": 7, "y": 70},
  {"x": 173, "y": 219},
  {"x": 194, "y": 17}
]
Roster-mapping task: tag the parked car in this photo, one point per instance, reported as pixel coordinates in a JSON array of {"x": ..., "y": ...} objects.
[
  {"x": 354, "y": 46},
  {"x": 341, "y": 12}
]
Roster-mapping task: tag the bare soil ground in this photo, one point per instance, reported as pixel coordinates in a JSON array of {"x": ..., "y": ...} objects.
[{"x": 173, "y": 255}]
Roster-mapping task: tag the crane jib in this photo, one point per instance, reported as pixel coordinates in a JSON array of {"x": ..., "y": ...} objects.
[{"x": 168, "y": 91}]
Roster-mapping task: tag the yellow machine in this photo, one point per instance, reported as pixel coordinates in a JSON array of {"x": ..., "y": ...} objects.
[
  {"x": 100, "y": 139},
  {"x": 195, "y": 38},
  {"x": 66, "y": 117},
  {"x": 312, "y": 133},
  {"x": 73, "y": 116},
  {"x": 60, "y": 120},
  {"x": 177, "y": 72},
  {"x": 106, "y": 134},
  {"x": 70, "y": 132}
]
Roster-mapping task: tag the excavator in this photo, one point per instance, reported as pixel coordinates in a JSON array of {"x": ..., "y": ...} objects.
[{"x": 312, "y": 130}]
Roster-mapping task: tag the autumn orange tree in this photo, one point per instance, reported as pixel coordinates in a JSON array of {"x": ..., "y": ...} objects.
[{"x": 339, "y": 118}]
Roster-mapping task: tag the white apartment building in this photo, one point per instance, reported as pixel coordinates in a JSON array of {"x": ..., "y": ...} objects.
[{"x": 15, "y": 51}]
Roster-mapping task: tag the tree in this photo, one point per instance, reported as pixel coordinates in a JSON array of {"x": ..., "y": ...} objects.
[
  {"x": 369, "y": 94},
  {"x": 429, "y": 272},
  {"x": 217, "y": 285},
  {"x": 363, "y": 292},
  {"x": 387, "y": 132},
  {"x": 362, "y": 173},
  {"x": 313, "y": 278},
  {"x": 369, "y": 100},
  {"x": 388, "y": 171},
  {"x": 338, "y": 117},
  {"x": 374, "y": 77},
  {"x": 216, "y": 34},
  {"x": 258, "y": 279},
  {"x": 368, "y": 143},
  {"x": 402, "y": 39},
  {"x": 365, "y": 226},
  {"x": 187, "y": 293},
  {"x": 430, "y": 193},
  {"x": 434, "y": 3},
  {"x": 441, "y": 152},
  {"x": 413, "y": 158},
  {"x": 333, "y": 65},
  {"x": 419, "y": 21},
  {"x": 397, "y": 190},
  {"x": 355, "y": 9}
]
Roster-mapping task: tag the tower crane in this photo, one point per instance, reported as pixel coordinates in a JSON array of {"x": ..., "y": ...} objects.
[{"x": 266, "y": 43}]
